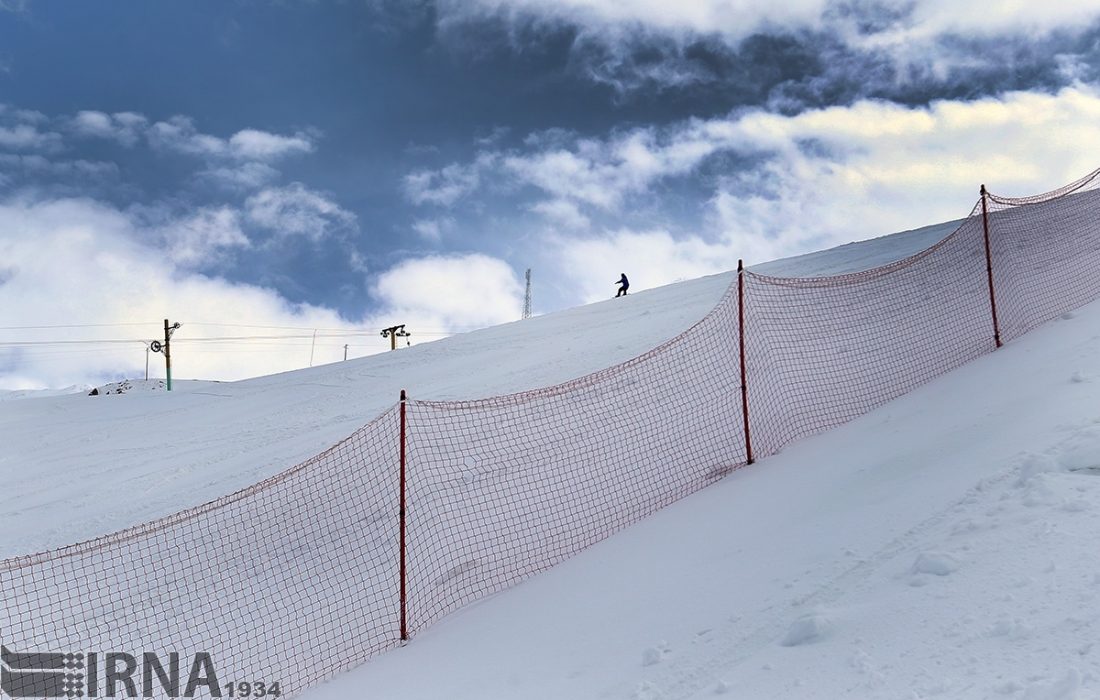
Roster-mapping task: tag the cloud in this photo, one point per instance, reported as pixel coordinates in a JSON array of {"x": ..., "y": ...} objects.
[
  {"x": 603, "y": 173},
  {"x": 432, "y": 230},
  {"x": 296, "y": 210},
  {"x": 35, "y": 165},
  {"x": 241, "y": 162},
  {"x": 252, "y": 144},
  {"x": 124, "y": 127},
  {"x": 202, "y": 239},
  {"x": 562, "y": 213},
  {"x": 802, "y": 48},
  {"x": 245, "y": 176},
  {"x": 78, "y": 259},
  {"x": 445, "y": 186},
  {"x": 440, "y": 291},
  {"x": 740, "y": 19},
  {"x": 693, "y": 197},
  {"x": 81, "y": 261},
  {"x": 180, "y": 135},
  {"x": 27, "y": 137},
  {"x": 650, "y": 258}
]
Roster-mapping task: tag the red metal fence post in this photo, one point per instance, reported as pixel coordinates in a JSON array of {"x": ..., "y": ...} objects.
[
  {"x": 989, "y": 267},
  {"x": 741, "y": 337},
  {"x": 401, "y": 512}
]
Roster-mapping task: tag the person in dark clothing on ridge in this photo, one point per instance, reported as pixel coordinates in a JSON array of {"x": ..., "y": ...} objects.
[{"x": 625, "y": 286}]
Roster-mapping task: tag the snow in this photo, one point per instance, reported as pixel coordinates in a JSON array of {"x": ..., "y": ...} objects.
[
  {"x": 795, "y": 577},
  {"x": 62, "y": 455},
  {"x": 16, "y": 394},
  {"x": 940, "y": 546}
]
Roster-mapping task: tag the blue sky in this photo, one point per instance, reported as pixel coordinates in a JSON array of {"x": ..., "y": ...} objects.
[{"x": 349, "y": 164}]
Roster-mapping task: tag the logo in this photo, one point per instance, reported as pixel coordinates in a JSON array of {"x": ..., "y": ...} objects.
[
  {"x": 41, "y": 674},
  {"x": 118, "y": 674}
]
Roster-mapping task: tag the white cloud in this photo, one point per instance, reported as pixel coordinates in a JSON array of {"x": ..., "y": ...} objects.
[
  {"x": 803, "y": 182},
  {"x": 442, "y": 187},
  {"x": 204, "y": 237},
  {"x": 124, "y": 127},
  {"x": 451, "y": 292},
  {"x": 432, "y": 230},
  {"x": 80, "y": 261},
  {"x": 27, "y": 137},
  {"x": 296, "y": 211},
  {"x": 29, "y": 116},
  {"x": 253, "y": 144},
  {"x": 650, "y": 258},
  {"x": 831, "y": 176},
  {"x": 244, "y": 176},
  {"x": 35, "y": 164},
  {"x": 562, "y": 213},
  {"x": 179, "y": 134},
  {"x": 603, "y": 173}
]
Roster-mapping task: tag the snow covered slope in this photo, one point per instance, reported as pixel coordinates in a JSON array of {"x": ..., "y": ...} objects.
[
  {"x": 940, "y": 546},
  {"x": 76, "y": 467},
  {"x": 916, "y": 551}
]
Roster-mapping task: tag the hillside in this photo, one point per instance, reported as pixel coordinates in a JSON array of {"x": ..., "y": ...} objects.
[
  {"x": 72, "y": 464},
  {"x": 773, "y": 583},
  {"x": 941, "y": 546}
]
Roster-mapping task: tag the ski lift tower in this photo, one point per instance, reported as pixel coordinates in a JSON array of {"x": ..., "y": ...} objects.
[
  {"x": 527, "y": 297},
  {"x": 395, "y": 332}
]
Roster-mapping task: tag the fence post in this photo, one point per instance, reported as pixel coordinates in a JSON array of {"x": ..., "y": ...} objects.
[
  {"x": 401, "y": 515},
  {"x": 989, "y": 267},
  {"x": 741, "y": 338}
]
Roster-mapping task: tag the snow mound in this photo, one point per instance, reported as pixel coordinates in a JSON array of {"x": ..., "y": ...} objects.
[
  {"x": 935, "y": 563},
  {"x": 808, "y": 629},
  {"x": 17, "y": 394},
  {"x": 129, "y": 386}
]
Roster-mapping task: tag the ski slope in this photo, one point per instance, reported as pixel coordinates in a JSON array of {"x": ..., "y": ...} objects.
[
  {"x": 940, "y": 546},
  {"x": 77, "y": 467},
  {"x": 914, "y": 552}
]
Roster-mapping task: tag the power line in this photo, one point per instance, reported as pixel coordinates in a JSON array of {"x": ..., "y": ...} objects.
[
  {"x": 79, "y": 325},
  {"x": 32, "y": 343},
  {"x": 329, "y": 330}
]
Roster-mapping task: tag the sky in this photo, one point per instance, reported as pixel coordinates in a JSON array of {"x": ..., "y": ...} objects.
[{"x": 286, "y": 178}]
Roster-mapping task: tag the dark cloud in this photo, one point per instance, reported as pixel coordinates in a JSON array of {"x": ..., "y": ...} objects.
[{"x": 859, "y": 49}]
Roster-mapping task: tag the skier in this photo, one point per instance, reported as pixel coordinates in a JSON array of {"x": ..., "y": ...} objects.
[{"x": 625, "y": 286}]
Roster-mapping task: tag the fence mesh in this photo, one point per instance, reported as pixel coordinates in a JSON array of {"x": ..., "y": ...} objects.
[
  {"x": 821, "y": 351},
  {"x": 506, "y": 487},
  {"x": 298, "y": 577},
  {"x": 1046, "y": 254},
  {"x": 289, "y": 581}
]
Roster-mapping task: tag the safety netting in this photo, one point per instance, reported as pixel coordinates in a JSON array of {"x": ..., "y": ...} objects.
[
  {"x": 287, "y": 582},
  {"x": 436, "y": 504},
  {"x": 821, "y": 351}
]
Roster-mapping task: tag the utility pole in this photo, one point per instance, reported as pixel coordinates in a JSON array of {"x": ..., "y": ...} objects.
[
  {"x": 527, "y": 297},
  {"x": 395, "y": 332},
  {"x": 166, "y": 348}
]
